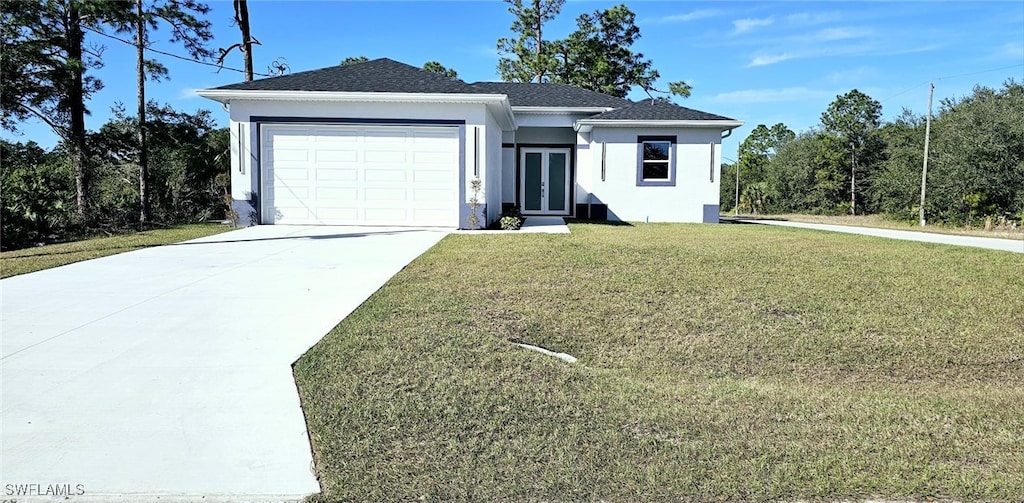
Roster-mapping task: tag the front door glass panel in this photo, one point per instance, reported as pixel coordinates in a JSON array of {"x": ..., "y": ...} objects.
[
  {"x": 532, "y": 186},
  {"x": 556, "y": 181}
]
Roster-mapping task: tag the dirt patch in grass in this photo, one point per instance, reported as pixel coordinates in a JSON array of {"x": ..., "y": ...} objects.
[{"x": 726, "y": 363}]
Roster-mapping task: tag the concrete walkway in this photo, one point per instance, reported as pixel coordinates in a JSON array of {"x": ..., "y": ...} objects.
[
  {"x": 165, "y": 374},
  {"x": 545, "y": 225},
  {"x": 532, "y": 225},
  {"x": 1011, "y": 245}
]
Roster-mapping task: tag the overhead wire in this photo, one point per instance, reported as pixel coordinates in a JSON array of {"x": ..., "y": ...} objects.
[
  {"x": 936, "y": 79},
  {"x": 189, "y": 59}
]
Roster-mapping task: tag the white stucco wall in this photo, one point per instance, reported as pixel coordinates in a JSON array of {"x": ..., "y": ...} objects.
[
  {"x": 244, "y": 157},
  {"x": 508, "y": 175},
  {"x": 544, "y": 135},
  {"x": 584, "y": 173},
  {"x": 493, "y": 155},
  {"x": 684, "y": 202}
]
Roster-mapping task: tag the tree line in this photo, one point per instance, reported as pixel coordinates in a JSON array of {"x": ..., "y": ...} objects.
[
  {"x": 158, "y": 165},
  {"x": 855, "y": 163}
]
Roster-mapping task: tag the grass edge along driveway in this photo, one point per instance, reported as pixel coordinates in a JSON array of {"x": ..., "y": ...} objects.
[
  {"x": 716, "y": 363},
  {"x": 38, "y": 258}
]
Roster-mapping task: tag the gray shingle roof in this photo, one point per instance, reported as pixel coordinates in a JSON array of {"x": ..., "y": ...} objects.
[
  {"x": 380, "y": 75},
  {"x": 531, "y": 94},
  {"x": 655, "y": 110},
  {"x": 388, "y": 76}
]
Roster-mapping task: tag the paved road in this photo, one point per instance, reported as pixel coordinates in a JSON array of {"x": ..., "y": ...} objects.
[
  {"x": 165, "y": 373},
  {"x": 1011, "y": 245}
]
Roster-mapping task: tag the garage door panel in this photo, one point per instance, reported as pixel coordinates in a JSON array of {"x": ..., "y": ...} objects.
[
  {"x": 292, "y": 213},
  {"x": 328, "y": 215},
  {"x": 439, "y": 158},
  {"x": 291, "y": 154},
  {"x": 386, "y": 157},
  {"x": 329, "y": 173},
  {"x": 352, "y": 175},
  {"x": 296, "y": 139},
  {"x": 383, "y": 216},
  {"x": 290, "y": 173},
  {"x": 385, "y": 135},
  {"x": 431, "y": 195},
  {"x": 336, "y": 136},
  {"x": 433, "y": 176},
  {"x": 292, "y": 192},
  {"x": 327, "y": 195},
  {"x": 337, "y": 155},
  {"x": 387, "y": 175},
  {"x": 388, "y": 195},
  {"x": 435, "y": 136}
]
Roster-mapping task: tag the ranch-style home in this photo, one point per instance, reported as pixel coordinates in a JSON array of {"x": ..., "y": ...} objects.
[{"x": 385, "y": 143}]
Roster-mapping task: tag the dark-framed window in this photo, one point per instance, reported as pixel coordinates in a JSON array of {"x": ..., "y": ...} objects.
[{"x": 656, "y": 161}]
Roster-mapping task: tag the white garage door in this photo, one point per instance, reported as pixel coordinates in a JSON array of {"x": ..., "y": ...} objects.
[{"x": 360, "y": 175}]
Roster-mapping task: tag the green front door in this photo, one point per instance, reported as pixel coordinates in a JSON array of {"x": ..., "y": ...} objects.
[{"x": 544, "y": 181}]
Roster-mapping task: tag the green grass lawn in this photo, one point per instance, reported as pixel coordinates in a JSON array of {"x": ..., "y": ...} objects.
[
  {"x": 716, "y": 362},
  {"x": 38, "y": 258}
]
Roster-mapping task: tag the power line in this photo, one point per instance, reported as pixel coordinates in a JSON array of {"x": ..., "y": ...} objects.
[
  {"x": 982, "y": 71},
  {"x": 905, "y": 91},
  {"x": 950, "y": 77},
  {"x": 184, "y": 58}
]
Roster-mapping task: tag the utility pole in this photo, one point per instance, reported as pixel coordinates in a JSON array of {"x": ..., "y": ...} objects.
[
  {"x": 140, "y": 41},
  {"x": 736, "y": 207},
  {"x": 853, "y": 179},
  {"x": 927, "y": 137}
]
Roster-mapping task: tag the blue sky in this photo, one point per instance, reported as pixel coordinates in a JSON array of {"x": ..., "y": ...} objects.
[{"x": 762, "y": 62}]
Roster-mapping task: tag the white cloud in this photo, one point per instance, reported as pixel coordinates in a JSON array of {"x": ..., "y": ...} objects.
[
  {"x": 910, "y": 50},
  {"x": 188, "y": 93},
  {"x": 1014, "y": 50},
  {"x": 812, "y": 18},
  {"x": 851, "y": 75},
  {"x": 684, "y": 18},
  {"x": 843, "y": 33},
  {"x": 748, "y": 96},
  {"x": 489, "y": 51},
  {"x": 770, "y": 59},
  {"x": 747, "y": 24}
]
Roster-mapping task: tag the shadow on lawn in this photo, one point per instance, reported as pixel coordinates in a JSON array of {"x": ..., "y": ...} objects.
[
  {"x": 610, "y": 223},
  {"x": 747, "y": 220}
]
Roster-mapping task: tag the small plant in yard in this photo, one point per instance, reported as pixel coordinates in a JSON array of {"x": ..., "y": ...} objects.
[
  {"x": 510, "y": 223},
  {"x": 512, "y": 220},
  {"x": 473, "y": 220}
]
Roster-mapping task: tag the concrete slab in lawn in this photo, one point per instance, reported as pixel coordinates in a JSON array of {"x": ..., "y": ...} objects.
[{"x": 166, "y": 372}]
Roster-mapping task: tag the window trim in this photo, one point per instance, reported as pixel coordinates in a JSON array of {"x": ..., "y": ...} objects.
[{"x": 640, "y": 181}]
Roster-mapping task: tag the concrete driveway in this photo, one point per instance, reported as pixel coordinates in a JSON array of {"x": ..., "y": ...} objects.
[{"x": 166, "y": 373}]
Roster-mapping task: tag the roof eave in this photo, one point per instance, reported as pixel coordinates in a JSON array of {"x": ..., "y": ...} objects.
[
  {"x": 561, "y": 110},
  {"x": 497, "y": 103},
  {"x": 586, "y": 125}
]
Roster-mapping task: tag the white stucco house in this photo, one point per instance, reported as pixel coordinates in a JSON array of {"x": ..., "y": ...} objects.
[{"x": 385, "y": 143}]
